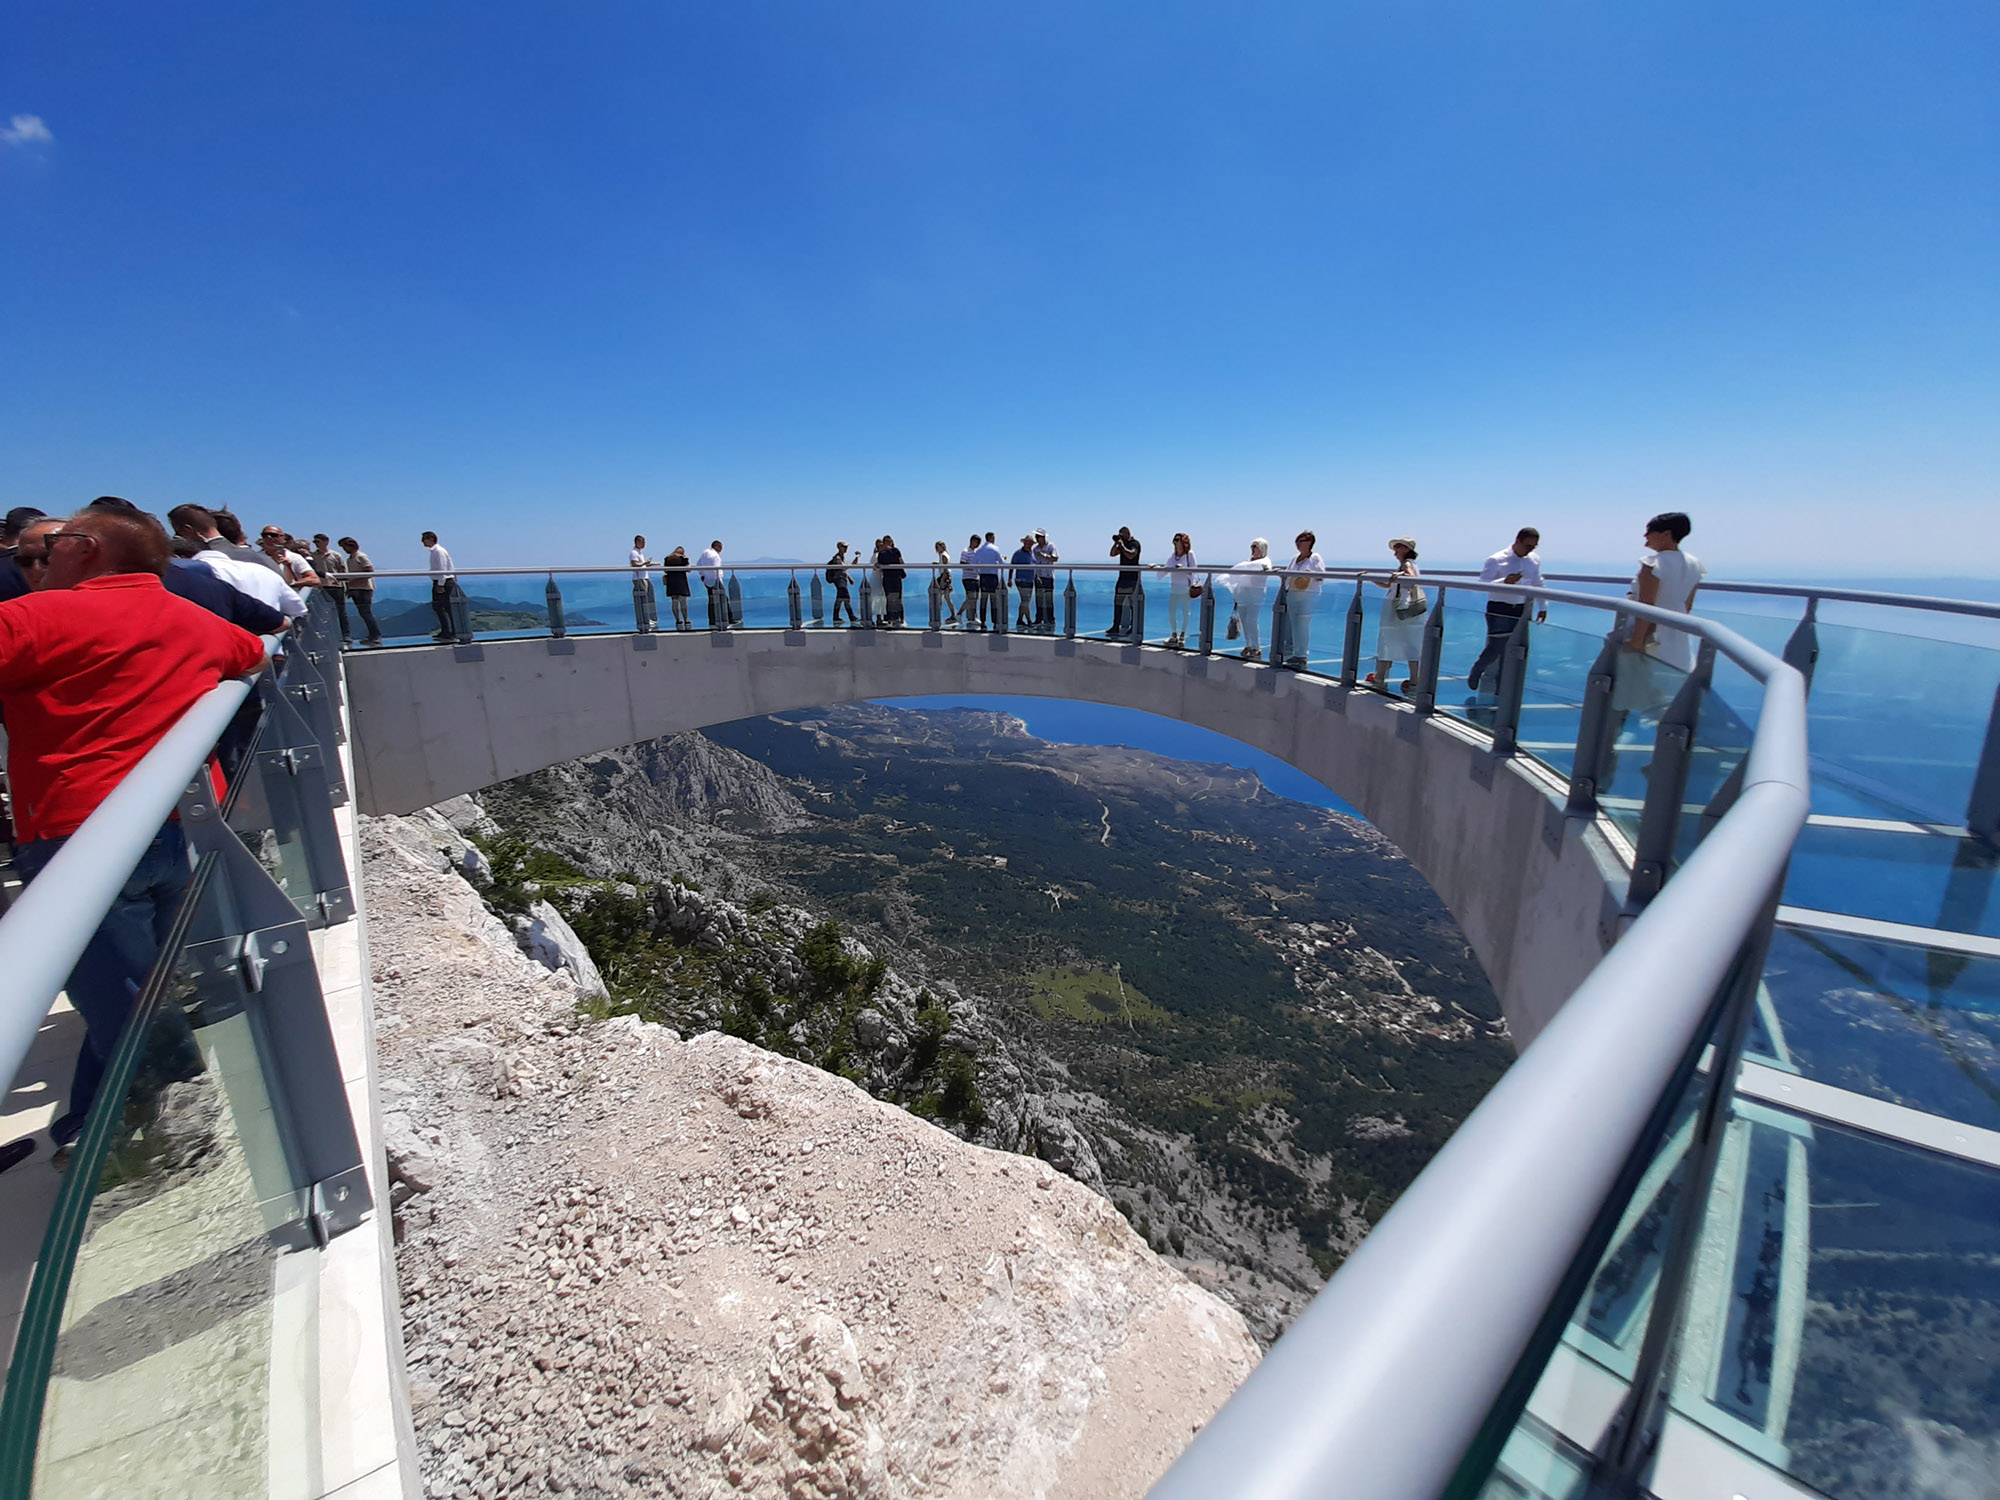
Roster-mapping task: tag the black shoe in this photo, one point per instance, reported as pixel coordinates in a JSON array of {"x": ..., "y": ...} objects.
[
  {"x": 15, "y": 1152},
  {"x": 66, "y": 1129}
]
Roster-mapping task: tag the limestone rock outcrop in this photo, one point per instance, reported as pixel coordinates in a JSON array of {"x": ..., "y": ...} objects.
[{"x": 636, "y": 1264}]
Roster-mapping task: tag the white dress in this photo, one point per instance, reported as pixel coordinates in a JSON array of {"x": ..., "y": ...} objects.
[
  {"x": 1399, "y": 640},
  {"x": 1680, "y": 574}
]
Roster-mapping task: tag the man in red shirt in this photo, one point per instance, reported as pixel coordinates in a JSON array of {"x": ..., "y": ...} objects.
[{"x": 94, "y": 669}]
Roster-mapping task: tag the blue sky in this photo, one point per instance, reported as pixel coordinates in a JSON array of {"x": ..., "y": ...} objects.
[{"x": 544, "y": 276}]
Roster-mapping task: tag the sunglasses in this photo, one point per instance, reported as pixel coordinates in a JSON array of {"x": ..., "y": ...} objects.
[{"x": 31, "y": 559}]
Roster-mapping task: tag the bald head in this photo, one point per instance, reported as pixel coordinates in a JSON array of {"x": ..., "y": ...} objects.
[{"x": 94, "y": 543}]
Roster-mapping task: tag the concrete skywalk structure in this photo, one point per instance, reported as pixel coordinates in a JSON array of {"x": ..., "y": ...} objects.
[{"x": 1573, "y": 1291}]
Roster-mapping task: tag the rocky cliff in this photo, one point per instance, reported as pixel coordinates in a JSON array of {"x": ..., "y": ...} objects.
[
  {"x": 634, "y": 1264},
  {"x": 1245, "y": 1022}
]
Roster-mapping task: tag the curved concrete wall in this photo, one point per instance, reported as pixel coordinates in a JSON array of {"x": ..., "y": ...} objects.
[{"x": 1536, "y": 893}]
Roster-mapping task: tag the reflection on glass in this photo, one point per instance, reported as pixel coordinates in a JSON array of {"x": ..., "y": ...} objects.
[
  {"x": 1845, "y": 1309},
  {"x": 1895, "y": 1021},
  {"x": 185, "y": 1357}
]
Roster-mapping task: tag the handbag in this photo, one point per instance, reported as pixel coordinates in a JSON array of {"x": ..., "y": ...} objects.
[
  {"x": 1194, "y": 591},
  {"x": 1235, "y": 627},
  {"x": 1412, "y": 604}
]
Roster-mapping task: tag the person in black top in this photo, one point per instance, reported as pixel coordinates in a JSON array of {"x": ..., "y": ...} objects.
[
  {"x": 841, "y": 579},
  {"x": 890, "y": 558},
  {"x": 674, "y": 580},
  {"x": 12, "y": 584},
  {"x": 1124, "y": 547}
]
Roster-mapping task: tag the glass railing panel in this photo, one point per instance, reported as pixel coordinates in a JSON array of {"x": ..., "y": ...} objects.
[
  {"x": 1896, "y": 723},
  {"x": 1913, "y": 1025},
  {"x": 184, "y": 1338},
  {"x": 1923, "y": 879},
  {"x": 1594, "y": 1340},
  {"x": 1840, "y": 1323}
]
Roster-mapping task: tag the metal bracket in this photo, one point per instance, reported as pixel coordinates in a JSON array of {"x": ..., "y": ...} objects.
[{"x": 340, "y": 1203}]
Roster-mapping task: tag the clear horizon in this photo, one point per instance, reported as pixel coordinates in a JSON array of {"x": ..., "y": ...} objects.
[{"x": 540, "y": 281}]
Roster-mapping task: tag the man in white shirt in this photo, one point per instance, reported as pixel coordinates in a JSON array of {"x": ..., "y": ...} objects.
[
  {"x": 1518, "y": 562},
  {"x": 442, "y": 578},
  {"x": 989, "y": 558},
  {"x": 708, "y": 567},
  {"x": 1045, "y": 583},
  {"x": 1247, "y": 582}
]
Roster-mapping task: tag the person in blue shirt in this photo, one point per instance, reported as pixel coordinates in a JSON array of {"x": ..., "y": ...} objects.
[{"x": 1024, "y": 583}]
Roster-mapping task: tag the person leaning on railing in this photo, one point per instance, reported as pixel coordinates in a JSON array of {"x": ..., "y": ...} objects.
[{"x": 94, "y": 669}]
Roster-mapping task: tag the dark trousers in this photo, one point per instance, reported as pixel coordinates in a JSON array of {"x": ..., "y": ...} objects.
[
  {"x": 989, "y": 599},
  {"x": 1045, "y": 603},
  {"x": 1121, "y": 607},
  {"x": 1500, "y": 620},
  {"x": 718, "y": 608},
  {"x": 339, "y": 598},
  {"x": 364, "y": 606},
  {"x": 105, "y": 983},
  {"x": 843, "y": 599},
  {"x": 441, "y": 605},
  {"x": 892, "y": 600}
]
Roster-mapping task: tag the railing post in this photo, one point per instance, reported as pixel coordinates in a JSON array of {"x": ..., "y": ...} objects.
[
  {"x": 1513, "y": 687},
  {"x": 867, "y": 600},
  {"x": 461, "y": 614},
  {"x": 792, "y": 603},
  {"x": 1281, "y": 613},
  {"x": 1982, "y": 810},
  {"x": 1666, "y": 784},
  {"x": 937, "y": 604},
  {"x": 1208, "y": 616},
  {"x": 1000, "y": 614},
  {"x": 1069, "y": 606},
  {"x": 818, "y": 599},
  {"x": 1426, "y": 695},
  {"x": 1802, "y": 650},
  {"x": 1350, "y": 649},
  {"x": 1594, "y": 730},
  {"x": 735, "y": 602},
  {"x": 1139, "y": 611},
  {"x": 558, "y": 625}
]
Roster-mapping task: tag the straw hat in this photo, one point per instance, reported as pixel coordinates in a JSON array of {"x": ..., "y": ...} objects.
[{"x": 1404, "y": 541}]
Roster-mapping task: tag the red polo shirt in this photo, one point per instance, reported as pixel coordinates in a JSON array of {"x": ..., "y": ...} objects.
[{"x": 90, "y": 678}]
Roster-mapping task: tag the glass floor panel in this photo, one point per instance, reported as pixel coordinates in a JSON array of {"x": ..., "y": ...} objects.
[
  {"x": 1923, "y": 880},
  {"x": 1908, "y": 1024}
]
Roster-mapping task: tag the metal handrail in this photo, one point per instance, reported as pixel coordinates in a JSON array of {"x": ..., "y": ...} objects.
[
  {"x": 1383, "y": 1383},
  {"x": 1456, "y": 577},
  {"x": 51, "y": 922}
]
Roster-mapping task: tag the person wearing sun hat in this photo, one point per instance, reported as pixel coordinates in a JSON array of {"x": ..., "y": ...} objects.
[{"x": 1399, "y": 625}]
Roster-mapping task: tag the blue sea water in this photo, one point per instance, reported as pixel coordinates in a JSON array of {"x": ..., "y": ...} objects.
[{"x": 1065, "y": 723}]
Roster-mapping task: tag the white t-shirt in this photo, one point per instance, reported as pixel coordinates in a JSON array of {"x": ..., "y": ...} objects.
[
  {"x": 1680, "y": 574},
  {"x": 1504, "y": 564},
  {"x": 639, "y": 559},
  {"x": 1249, "y": 578},
  {"x": 440, "y": 561},
  {"x": 709, "y": 567},
  {"x": 260, "y": 583}
]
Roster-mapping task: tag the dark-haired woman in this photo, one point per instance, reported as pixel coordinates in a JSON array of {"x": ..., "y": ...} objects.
[
  {"x": 890, "y": 559},
  {"x": 674, "y": 582}
]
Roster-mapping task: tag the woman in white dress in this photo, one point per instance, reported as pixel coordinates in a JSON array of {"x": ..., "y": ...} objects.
[
  {"x": 1180, "y": 580},
  {"x": 1399, "y": 626}
]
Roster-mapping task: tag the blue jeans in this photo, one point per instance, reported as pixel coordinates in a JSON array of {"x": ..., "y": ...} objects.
[{"x": 113, "y": 967}]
